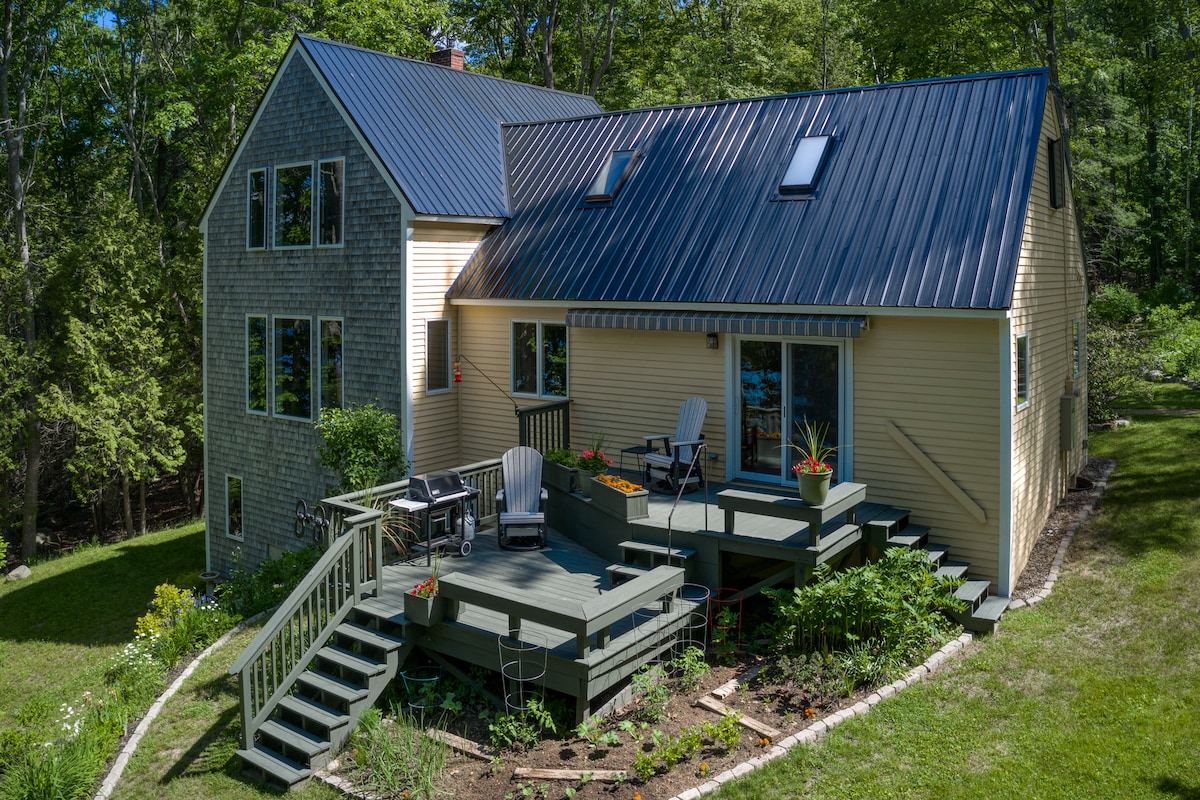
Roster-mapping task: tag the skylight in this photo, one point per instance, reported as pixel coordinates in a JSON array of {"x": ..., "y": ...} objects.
[
  {"x": 805, "y": 169},
  {"x": 612, "y": 175}
]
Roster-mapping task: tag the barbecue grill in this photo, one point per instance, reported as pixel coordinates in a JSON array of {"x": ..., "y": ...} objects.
[{"x": 441, "y": 495}]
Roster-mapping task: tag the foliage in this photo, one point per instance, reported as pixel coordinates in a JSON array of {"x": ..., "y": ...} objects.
[
  {"x": 810, "y": 446},
  {"x": 689, "y": 669},
  {"x": 1115, "y": 357},
  {"x": 429, "y": 586},
  {"x": 396, "y": 759},
  {"x": 523, "y": 729},
  {"x": 1114, "y": 304},
  {"x": 593, "y": 458},
  {"x": 1175, "y": 340},
  {"x": 247, "y": 593},
  {"x": 62, "y": 769},
  {"x": 167, "y": 606},
  {"x": 562, "y": 455},
  {"x": 364, "y": 443},
  {"x": 650, "y": 685},
  {"x": 894, "y": 607}
]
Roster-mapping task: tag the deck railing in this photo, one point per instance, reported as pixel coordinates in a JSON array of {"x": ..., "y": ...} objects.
[
  {"x": 349, "y": 569},
  {"x": 545, "y": 426}
]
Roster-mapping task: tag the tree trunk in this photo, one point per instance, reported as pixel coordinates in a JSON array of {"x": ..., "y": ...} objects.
[
  {"x": 142, "y": 507},
  {"x": 127, "y": 504}
]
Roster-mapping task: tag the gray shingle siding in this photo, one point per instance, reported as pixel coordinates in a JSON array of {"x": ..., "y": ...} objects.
[{"x": 361, "y": 282}]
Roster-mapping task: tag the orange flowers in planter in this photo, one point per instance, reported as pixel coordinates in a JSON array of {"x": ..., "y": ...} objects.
[{"x": 620, "y": 484}]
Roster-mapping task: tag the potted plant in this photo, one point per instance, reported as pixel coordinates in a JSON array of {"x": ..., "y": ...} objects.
[
  {"x": 623, "y": 499},
  {"x": 592, "y": 461},
  {"x": 560, "y": 469},
  {"x": 812, "y": 471},
  {"x": 422, "y": 603}
]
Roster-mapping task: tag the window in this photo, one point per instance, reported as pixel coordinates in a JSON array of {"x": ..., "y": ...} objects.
[
  {"x": 539, "y": 359},
  {"x": 1022, "y": 371},
  {"x": 807, "y": 161},
  {"x": 256, "y": 209},
  {"x": 1077, "y": 347},
  {"x": 293, "y": 205},
  {"x": 293, "y": 367},
  {"x": 256, "y": 364},
  {"x": 233, "y": 507},
  {"x": 331, "y": 363},
  {"x": 1057, "y": 168},
  {"x": 612, "y": 176},
  {"x": 437, "y": 355},
  {"x": 331, "y": 201}
]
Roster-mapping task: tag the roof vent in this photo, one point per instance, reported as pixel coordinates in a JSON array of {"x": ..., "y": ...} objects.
[
  {"x": 612, "y": 175},
  {"x": 450, "y": 57},
  {"x": 807, "y": 162}
]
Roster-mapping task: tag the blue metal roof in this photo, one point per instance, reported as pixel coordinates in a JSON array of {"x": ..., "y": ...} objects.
[
  {"x": 921, "y": 203},
  {"x": 435, "y": 129}
]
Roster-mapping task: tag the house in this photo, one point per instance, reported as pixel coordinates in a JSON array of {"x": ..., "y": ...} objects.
[{"x": 900, "y": 262}]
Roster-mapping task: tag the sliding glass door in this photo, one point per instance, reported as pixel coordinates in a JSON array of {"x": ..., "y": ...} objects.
[{"x": 781, "y": 385}]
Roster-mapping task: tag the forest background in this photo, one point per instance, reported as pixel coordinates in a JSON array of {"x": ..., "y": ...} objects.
[{"x": 116, "y": 121}]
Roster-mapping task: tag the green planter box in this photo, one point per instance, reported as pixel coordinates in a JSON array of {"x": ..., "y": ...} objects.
[
  {"x": 623, "y": 506},
  {"x": 425, "y": 611},
  {"x": 556, "y": 476}
]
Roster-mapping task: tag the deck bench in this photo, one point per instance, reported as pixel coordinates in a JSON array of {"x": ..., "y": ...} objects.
[
  {"x": 843, "y": 499},
  {"x": 581, "y": 618}
]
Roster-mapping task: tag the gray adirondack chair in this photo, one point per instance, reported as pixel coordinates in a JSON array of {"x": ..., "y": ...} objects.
[
  {"x": 521, "y": 504},
  {"x": 673, "y": 455}
]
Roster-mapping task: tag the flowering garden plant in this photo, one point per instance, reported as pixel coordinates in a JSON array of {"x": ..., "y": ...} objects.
[
  {"x": 429, "y": 586},
  {"x": 811, "y": 447},
  {"x": 593, "y": 458},
  {"x": 620, "y": 484}
]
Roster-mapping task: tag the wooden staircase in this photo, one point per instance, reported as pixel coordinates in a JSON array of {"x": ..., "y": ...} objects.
[
  {"x": 886, "y": 527},
  {"x": 315, "y": 719}
]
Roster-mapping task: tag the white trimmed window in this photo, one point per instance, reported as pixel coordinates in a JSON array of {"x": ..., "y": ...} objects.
[
  {"x": 331, "y": 201},
  {"x": 1057, "y": 167},
  {"x": 256, "y": 363},
  {"x": 1022, "y": 359},
  {"x": 233, "y": 507},
  {"x": 332, "y": 388},
  {"x": 539, "y": 359},
  {"x": 294, "y": 205},
  {"x": 1078, "y": 347},
  {"x": 293, "y": 367},
  {"x": 256, "y": 209},
  {"x": 437, "y": 356}
]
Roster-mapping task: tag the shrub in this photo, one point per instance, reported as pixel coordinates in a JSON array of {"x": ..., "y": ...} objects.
[
  {"x": 1114, "y": 304},
  {"x": 62, "y": 770},
  {"x": 1115, "y": 357},
  {"x": 363, "y": 443},
  {"x": 1175, "y": 340},
  {"x": 269, "y": 585},
  {"x": 168, "y": 604},
  {"x": 895, "y": 604}
]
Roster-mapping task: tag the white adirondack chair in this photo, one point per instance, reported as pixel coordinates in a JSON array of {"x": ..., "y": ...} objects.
[
  {"x": 521, "y": 504},
  {"x": 673, "y": 456}
]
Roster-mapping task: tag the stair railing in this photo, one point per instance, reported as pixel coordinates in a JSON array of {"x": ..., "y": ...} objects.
[{"x": 350, "y": 569}]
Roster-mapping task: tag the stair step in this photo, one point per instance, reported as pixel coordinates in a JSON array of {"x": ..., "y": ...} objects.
[
  {"x": 293, "y": 738},
  {"x": 312, "y": 711},
  {"x": 935, "y": 553},
  {"x": 369, "y": 637},
  {"x": 872, "y": 515},
  {"x": 972, "y": 593},
  {"x": 912, "y": 536},
  {"x": 656, "y": 549},
  {"x": 366, "y": 667},
  {"x": 342, "y": 690},
  {"x": 952, "y": 569},
  {"x": 991, "y": 609},
  {"x": 283, "y": 770}
]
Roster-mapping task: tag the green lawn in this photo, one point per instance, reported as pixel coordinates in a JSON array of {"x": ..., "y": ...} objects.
[
  {"x": 59, "y": 627},
  {"x": 1093, "y": 694},
  {"x": 1163, "y": 396}
]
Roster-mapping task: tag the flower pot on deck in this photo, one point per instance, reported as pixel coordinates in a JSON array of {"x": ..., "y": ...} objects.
[
  {"x": 622, "y": 505},
  {"x": 587, "y": 481},
  {"x": 424, "y": 611},
  {"x": 556, "y": 476},
  {"x": 814, "y": 487}
]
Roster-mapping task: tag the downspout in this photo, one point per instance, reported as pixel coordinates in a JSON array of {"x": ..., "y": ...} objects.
[
  {"x": 1004, "y": 520},
  {"x": 208, "y": 520},
  {"x": 406, "y": 330}
]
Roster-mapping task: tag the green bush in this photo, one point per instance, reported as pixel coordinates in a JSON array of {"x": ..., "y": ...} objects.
[
  {"x": 1175, "y": 340},
  {"x": 363, "y": 443},
  {"x": 1115, "y": 358},
  {"x": 895, "y": 607},
  {"x": 60, "y": 771},
  {"x": 247, "y": 593},
  {"x": 1114, "y": 304},
  {"x": 397, "y": 760}
]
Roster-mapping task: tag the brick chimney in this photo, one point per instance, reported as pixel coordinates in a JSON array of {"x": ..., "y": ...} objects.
[{"x": 450, "y": 57}]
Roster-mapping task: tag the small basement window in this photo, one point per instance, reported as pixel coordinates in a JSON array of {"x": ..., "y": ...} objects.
[
  {"x": 807, "y": 162},
  {"x": 612, "y": 176}
]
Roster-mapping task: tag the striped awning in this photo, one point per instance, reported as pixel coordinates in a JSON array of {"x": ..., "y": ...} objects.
[{"x": 839, "y": 327}]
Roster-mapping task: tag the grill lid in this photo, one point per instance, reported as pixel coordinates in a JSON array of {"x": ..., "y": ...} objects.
[{"x": 433, "y": 486}]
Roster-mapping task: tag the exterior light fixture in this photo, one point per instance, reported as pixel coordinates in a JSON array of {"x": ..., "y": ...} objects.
[{"x": 711, "y": 342}]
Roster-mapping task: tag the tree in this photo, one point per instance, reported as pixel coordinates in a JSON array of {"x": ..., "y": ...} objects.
[{"x": 363, "y": 443}]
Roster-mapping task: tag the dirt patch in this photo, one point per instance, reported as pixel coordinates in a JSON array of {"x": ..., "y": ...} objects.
[{"x": 760, "y": 695}]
